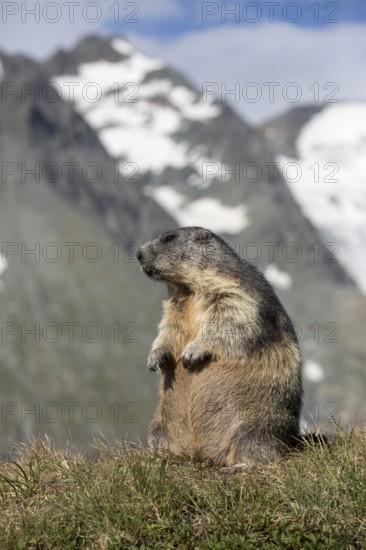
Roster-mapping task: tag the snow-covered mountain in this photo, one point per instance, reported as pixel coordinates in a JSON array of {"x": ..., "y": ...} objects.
[
  {"x": 121, "y": 112},
  {"x": 139, "y": 108},
  {"x": 326, "y": 174},
  {"x": 150, "y": 154}
]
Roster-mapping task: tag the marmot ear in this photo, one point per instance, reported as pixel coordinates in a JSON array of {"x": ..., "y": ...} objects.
[{"x": 203, "y": 235}]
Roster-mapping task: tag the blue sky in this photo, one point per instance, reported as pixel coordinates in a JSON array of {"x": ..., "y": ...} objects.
[
  {"x": 242, "y": 46},
  {"x": 177, "y": 17}
]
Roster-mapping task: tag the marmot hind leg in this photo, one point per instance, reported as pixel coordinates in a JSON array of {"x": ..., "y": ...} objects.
[{"x": 248, "y": 450}]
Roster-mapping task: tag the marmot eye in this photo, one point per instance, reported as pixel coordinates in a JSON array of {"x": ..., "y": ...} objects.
[{"x": 169, "y": 238}]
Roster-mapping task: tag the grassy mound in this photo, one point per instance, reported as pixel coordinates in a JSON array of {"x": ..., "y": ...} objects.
[{"x": 315, "y": 498}]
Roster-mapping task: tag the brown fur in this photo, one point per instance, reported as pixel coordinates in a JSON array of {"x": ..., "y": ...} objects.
[{"x": 229, "y": 393}]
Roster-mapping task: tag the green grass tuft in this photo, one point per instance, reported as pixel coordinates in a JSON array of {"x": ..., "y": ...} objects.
[{"x": 52, "y": 500}]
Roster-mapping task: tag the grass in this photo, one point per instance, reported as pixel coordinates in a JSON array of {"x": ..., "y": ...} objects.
[{"x": 52, "y": 500}]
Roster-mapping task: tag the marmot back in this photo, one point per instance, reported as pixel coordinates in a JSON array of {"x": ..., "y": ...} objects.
[{"x": 227, "y": 351}]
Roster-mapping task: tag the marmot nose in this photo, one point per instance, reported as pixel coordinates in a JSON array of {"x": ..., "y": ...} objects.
[{"x": 139, "y": 255}]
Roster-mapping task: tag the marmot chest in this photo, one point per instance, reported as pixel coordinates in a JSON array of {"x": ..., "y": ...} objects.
[{"x": 185, "y": 315}]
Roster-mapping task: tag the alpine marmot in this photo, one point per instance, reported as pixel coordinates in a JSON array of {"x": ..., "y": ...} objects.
[{"x": 231, "y": 386}]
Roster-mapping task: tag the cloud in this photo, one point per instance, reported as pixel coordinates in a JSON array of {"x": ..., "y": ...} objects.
[
  {"x": 324, "y": 64},
  {"x": 39, "y": 28},
  {"x": 159, "y": 9}
]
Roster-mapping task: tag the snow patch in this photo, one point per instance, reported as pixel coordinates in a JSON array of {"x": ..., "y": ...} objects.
[
  {"x": 122, "y": 46},
  {"x": 330, "y": 186},
  {"x": 211, "y": 213},
  {"x": 167, "y": 197},
  {"x": 313, "y": 371},
  {"x": 207, "y": 212},
  {"x": 95, "y": 80},
  {"x": 279, "y": 279},
  {"x": 336, "y": 127},
  {"x": 3, "y": 267},
  {"x": 183, "y": 99},
  {"x": 3, "y": 264}
]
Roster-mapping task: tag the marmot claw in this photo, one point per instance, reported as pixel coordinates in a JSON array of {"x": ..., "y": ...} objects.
[
  {"x": 158, "y": 359},
  {"x": 194, "y": 357}
]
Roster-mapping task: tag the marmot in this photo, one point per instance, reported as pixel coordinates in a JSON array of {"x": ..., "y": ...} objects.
[{"x": 228, "y": 353}]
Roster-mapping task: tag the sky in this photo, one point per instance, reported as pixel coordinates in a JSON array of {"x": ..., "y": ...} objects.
[{"x": 263, "y": 57}]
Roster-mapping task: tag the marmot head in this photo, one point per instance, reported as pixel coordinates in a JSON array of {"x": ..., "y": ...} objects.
[{"x": 183, "y": 256}]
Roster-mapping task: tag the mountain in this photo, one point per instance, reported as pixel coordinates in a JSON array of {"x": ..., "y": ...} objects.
[
  {"x": 80, "y": 279},
  {"x": 329, "y": 145},
  {"x": 113, "y": 148}
]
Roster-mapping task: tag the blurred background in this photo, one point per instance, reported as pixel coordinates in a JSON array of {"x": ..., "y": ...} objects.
[{"x": 120, "y": 120}]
